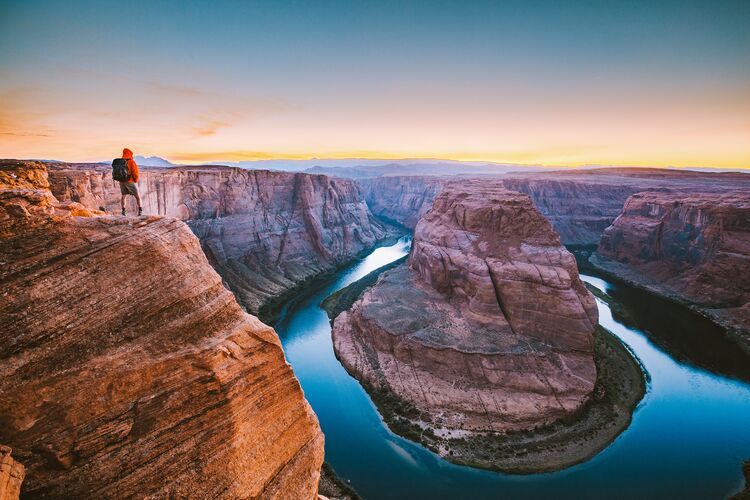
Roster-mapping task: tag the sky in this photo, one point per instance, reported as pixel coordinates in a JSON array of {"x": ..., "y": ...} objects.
[{"x": 623, "y": 82}]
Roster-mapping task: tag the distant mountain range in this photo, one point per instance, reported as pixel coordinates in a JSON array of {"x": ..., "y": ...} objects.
[
  {"x": 152, "y": 161},
  {"x": 361, "y": 168},
  {"x": 435, "y": 168},
  {"x": 371, "y": 167}
]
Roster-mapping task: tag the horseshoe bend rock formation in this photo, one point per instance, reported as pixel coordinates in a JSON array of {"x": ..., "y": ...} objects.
[
  {"x": 128, "y": 370},
  {"x": 264, "y": 232},
  {"x": 488, "y": 327},
  {"x": 691, "y": 247}
]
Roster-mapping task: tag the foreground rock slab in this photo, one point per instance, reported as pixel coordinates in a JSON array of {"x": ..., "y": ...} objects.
[{"x": 128, "y": 370}]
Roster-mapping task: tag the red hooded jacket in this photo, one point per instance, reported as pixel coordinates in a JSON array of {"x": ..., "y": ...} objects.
[{"x": 132, "y": 166}]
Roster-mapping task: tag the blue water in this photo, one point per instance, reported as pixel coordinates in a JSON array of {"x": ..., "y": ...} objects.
[{"x": 688, "y": 437}]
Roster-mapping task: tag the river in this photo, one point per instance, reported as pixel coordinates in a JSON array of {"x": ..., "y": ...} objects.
[{"x": 688, "y": 438}]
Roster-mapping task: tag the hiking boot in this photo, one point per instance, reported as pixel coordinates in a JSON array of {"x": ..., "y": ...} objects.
[
  {"x": 140, "y": 211},
  {"x": 123, "y": 211}
]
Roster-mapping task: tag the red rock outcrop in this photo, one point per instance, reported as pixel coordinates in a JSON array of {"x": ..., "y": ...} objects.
[
  {"x": 264, "y": 232},
  {"x": 128, "y": 370},
  {"x": 489, "y": 327},
  {"x": 11, "y": 475},
  {"x": 691, "y": 247}
]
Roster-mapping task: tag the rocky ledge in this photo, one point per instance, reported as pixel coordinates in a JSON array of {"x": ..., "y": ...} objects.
[
  {"x": 128, "y": 370},
  {"x": 487, "y": 330},
  {"x": 266, "y": 233},
  {"x": 693, "y": 248}
]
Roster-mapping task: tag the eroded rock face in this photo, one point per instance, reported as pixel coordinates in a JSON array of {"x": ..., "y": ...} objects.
[
  {"x": 128, "y": 370},
  {"x": 488, "y": 327},
  {"x": 264, "y": 232},
  {"x": 11, "y": 475},
  {"x": 693, "y": 247},
  {"x": 402, "y": 199},
  {"x": 579, "y": 211}
]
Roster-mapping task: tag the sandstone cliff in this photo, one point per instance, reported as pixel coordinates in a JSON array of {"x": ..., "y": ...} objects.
[
  {"x": 488, "y": 327},
  {"x": 691, "y": 247},
  {"x": 264, "y": 232},
  {"x": 11, "y": 475},
  {"x": 128, "y": 370}
]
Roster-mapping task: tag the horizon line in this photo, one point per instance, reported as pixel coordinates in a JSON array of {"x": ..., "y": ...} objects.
[{"x": 386, "y": 158}]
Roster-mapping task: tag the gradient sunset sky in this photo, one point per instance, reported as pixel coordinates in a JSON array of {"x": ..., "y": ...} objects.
[{"x": 552, "y": 82}]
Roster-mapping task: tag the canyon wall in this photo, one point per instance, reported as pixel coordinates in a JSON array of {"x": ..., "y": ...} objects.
[
  {"x": 692, "y": 247},
  {"x": 579, "y": 210},
  {"x": 402, "y": 199},
  {"x": 128, "y": 370},
  {"x": 580, "y": 204},
  {"x": 488, "y": 327},
  {"x": 264, "y": 232}
]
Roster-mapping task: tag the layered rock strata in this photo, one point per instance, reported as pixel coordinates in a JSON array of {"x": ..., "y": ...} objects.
[
  {"x": 128, "y": 370},
  {"x": 580, "y": 204},
  {"x": 264, "y": 232},
  {"x": 691, "y": 247},
  {"x": 579, "y": 211},
  {"x": 487, "y": 328},
  {"x": 402, "y": 199}
]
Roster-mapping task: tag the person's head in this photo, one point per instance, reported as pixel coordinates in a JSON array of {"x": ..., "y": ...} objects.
[{"x": 127, "y": 154}]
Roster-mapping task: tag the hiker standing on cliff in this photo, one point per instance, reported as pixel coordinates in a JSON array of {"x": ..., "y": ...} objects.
[{"x": 125, "y": 171}]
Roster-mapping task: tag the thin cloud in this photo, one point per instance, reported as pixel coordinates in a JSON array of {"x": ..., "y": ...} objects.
[
  {"x": 24, "y": 134},
  {"x": 209, "y": 128}
]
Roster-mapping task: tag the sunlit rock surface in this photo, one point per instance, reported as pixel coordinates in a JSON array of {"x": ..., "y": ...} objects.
[
  {"x": 128, "y": 370},
  {"x": 11, "y": 475}
]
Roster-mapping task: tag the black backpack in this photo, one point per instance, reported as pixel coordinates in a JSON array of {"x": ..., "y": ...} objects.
[{"x": 120, "y": 170}]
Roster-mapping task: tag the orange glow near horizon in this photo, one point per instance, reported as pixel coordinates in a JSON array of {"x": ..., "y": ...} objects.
[
  {"x": 478, "y": 81},
  {"x": 190, "y": 125}
]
